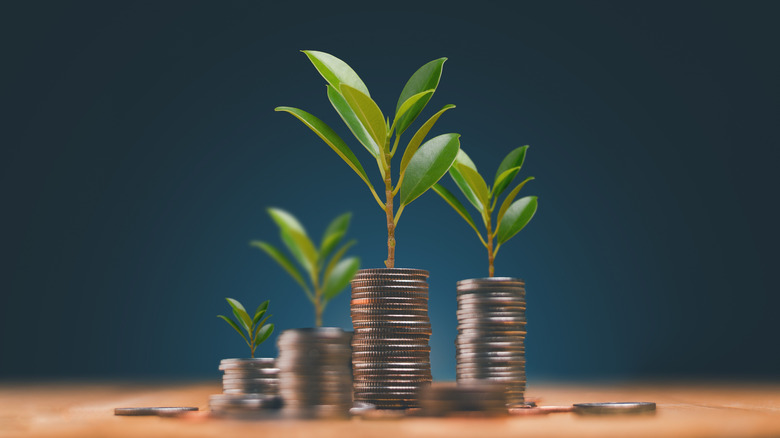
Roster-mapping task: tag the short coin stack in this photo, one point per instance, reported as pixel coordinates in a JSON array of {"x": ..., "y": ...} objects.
[
  {"x": 491, "y": 334},
  {"x": 390, "y": 351},
  {"x": 480, "y": 399},
  {"x": 248, "y": 386},
  {"x": 315, "y": 380}
]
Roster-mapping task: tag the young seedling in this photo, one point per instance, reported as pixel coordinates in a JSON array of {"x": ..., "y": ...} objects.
[
  {"x": 422, "y": 164},
  {"x": 513, "y": 215},
  {"x": 326, "y": 280},
  {"x": 257, "y": 331}
]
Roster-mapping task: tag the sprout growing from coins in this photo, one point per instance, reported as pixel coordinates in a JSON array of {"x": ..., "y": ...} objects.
[
  {"x": 422, "y": 164},
  {"x": 512, "y": 216},
  {"x": 257, "y": 331},
  {"x": 326, "y": 280}
]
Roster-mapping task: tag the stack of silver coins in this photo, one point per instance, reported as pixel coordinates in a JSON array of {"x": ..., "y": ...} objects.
[
  {"x": 478, "y": 399},
  {"x": 248, "y": 385},
  {"x": 390, "y": 351},
  {"x": 250, "y": 376},
  {"x": 315, "y": 379},
  {"x": 491, "y": 334}
]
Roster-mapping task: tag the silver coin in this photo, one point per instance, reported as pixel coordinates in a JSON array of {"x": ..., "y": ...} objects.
[
  {"x": 262, "y": 372},
  {"x": 369, "y": 285},
  {"x": 491, "y": 280},
  {"x": 507, "y": 377},
  {"x": 505, "y": 298},
  {"x": 385, "y": 300},
  {"x": 324, "y": 334},
  {"x": 402, "y": 271},
  {"x": 504, "y": 367},
  {"x": 251, "y": 362},
  {"x": 614, "y": 408},
  {"x": 406, "y": 309},
  {"x": 390, "y": 295},
  {"x": 388, "y": 372},
  {"x": 147, "y": 411}
]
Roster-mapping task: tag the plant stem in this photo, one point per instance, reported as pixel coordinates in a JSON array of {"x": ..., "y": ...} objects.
[
  {"x": 489, "y": 245},
  {"x": 317, "y": 306},
  {"x": 390, "y": 262}
]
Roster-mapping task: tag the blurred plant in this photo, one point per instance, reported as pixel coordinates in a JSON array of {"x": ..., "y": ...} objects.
[
  {"x": 257, "y": 331},
  {"x": 326, "y": 281},
  {"x": 422, "y": 164},
  {"x": 513, "y": 215}
]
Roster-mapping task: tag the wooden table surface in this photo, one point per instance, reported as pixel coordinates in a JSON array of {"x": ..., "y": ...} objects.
[{"x": 684, "y": 410}]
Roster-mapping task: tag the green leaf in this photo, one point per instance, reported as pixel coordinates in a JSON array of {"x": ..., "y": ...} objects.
[
  {"x": 425, "y": 78},
  {"x": 263, "y": 334},
  {"x": 407, "y": 105},
  {"x": 475, "y": 182},
  {"x": 456, "y": 204},
  {"x": 234, "y": 325},
  {"x": 240, "y": 312},
  {"x": 333, "y": 235},
  {"x": 242, "y": 322},
  {"x": 428, "y": 165},
  {"x": 340, "y": 277},
  {"x": 261, "y": 309},
  {"x": 335, "y": 259},
  {"x": 282, "y": 260},
  {"x": 258, "y": 324},
  {"x": 513, "y": 160},
  {"x": 503, "y": 180},
  {"x": 419, "y": 136},
  {"x": 335, "y": 71},
  {"x": 460, "y": 180},
  {"x": 351, "y": 120},
  {"x": 330, "y": 137},
  {"x": 516, "y": 218},
  {"x": 508, "y": 200},
  {"x": 368, "y": 113},
  {"x": 296, "y": 239}
]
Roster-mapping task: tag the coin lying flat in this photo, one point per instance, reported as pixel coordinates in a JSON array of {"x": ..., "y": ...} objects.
[
  {"x": 614, "y": 408},
  {"x": 147, "y": 411}
]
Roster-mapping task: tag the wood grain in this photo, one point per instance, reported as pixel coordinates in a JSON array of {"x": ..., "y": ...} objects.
[{"x": 684, "y": 410}]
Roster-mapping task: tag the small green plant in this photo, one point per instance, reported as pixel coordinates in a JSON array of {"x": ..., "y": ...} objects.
[
  {"x": 512, "y": 216},
  {"x": 422, "y": 164},
  {"x": 257, "y": 331},
  {"x": 326, "y": 280}
]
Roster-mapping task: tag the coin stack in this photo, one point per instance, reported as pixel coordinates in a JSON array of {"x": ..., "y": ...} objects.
[
  {"x": 248, "y": 385},
  {"x": 315, "y": 379},
  {"x": 390, "y": 352},
  {"x": 250, "y": 376},
  {"x": 491, "y": 334},
  {"x": 481, "y": 399}
]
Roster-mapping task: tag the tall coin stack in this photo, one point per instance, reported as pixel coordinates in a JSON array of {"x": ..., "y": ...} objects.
[
  {"x": 491, "y": 334},
  {"x": 315, "y": 379},
  {"x": 390, "y": 352},
  {"x": 248, "y": 386}
]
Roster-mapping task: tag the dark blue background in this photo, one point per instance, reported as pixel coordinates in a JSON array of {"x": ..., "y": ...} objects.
[{"x": 140, "y": 148}]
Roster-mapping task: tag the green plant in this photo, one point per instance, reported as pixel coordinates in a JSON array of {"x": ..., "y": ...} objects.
[
  {"x": 326, "y": 280},
  {"x": 257, "y": 331},
  {"x": 512, "y": 216},
  {"x": 422, "y": 164}
]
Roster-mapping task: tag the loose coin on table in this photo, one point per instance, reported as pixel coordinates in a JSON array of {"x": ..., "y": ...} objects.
[
  {"x": 157, "y": 410},
  {"x": 614, "y": 408}
]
